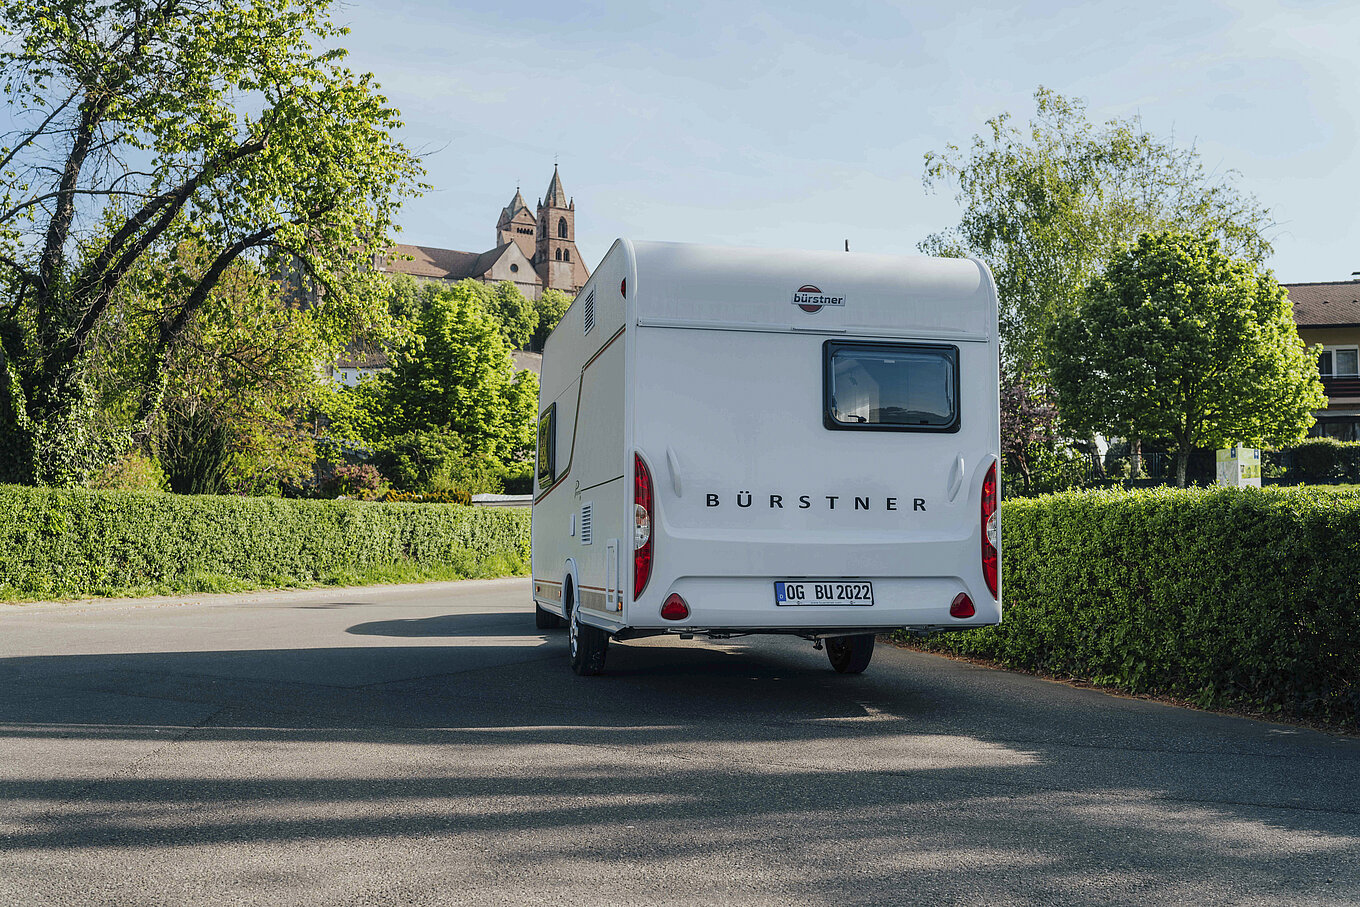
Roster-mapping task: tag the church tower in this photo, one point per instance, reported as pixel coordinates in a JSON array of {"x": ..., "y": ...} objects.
[
  {"x": 516, "y": 225},
  {"x": 556, "y": 259}
]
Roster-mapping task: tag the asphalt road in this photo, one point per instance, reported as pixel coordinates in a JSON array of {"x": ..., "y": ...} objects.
[{"x": 426, "y": 745}]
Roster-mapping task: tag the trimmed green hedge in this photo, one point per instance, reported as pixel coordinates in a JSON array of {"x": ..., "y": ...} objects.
[
  {"x": 1221, "y": 596},
  {"x": 66, "y": 543},
  {"x": 1318, "y": 461}
]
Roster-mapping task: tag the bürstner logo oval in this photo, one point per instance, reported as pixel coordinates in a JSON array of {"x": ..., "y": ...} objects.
[{"x": 811, "y": 299}]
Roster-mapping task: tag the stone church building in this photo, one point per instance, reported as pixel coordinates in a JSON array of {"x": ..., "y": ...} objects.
[{"x": 534, "y": 250}]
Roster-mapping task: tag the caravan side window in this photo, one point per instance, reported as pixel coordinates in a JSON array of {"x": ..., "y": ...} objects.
[
  {"x": 547, "y": 446},
  {"x": 890, "y": 386}
]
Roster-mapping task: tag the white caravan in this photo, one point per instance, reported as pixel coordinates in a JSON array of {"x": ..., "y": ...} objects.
[{"x": 736, "y": 441}]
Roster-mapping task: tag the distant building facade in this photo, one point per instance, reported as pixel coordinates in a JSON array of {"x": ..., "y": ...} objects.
[
  {"x": 1329, "y": 314},
  {"x": 534, "y": 250}
]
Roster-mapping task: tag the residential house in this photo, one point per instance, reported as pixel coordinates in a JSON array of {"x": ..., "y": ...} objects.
[{"x": 1328, "y": 314}]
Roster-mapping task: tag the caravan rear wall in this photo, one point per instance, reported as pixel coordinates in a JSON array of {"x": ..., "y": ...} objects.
[{"x": 743, "y": 441}]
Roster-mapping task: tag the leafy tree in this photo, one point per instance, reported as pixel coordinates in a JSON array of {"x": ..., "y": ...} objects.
[
  {"x": 552, "y": 305},
  {"x": 436, "y": 460},
  {"x": 234, "y": 388},
  {"x": 516, "y": 314},
  {"x": 143, "y": 124},
  {"x": 1180, "y": 342},
  {"x": 1046, "y": 207},
  {"x": 1029, "y": 421},
  {"x": 457, "y": 374}
]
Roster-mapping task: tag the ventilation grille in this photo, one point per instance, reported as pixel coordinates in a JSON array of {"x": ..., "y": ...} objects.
[
  {"x": 588, "y": 312},
  {"x": 587, "y": 518}
]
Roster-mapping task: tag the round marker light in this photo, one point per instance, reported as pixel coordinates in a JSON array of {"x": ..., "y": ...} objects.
[
  {"x": 674, "y": 608},
  {"x": 961, "y": 606}
]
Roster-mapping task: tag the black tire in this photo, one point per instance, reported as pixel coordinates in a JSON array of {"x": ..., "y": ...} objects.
[
  {"x": 587, "y": 645},
  {"x": 850, "y": 654},
  {"x": 545, "y": 619}
]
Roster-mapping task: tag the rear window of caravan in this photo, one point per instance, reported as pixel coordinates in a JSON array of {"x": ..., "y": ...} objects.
[{"x": 891, "y": 386}]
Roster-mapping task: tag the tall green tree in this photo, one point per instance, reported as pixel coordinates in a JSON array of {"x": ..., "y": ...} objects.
[
  {"x": 551, "y": 306},
  {"x": 456, "y": 373},
  {"x": 1180, "y": 342},
  {"x": 142, "y": 124},
  {"x": 1046, "y": 206}
]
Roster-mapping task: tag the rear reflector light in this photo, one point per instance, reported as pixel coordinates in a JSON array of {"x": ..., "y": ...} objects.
[
  {"x": 961, "y": 606},
  {"x": 642, "y": 526},
  {"x": 674, "y": 608},
  {"x": 989, "y": 533}
]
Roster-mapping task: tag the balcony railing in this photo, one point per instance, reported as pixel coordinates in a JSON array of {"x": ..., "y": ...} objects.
[{"x": 1341, "y": 387}]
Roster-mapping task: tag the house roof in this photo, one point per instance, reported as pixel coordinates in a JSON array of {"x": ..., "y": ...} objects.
[
  {"x": 1325, "y": 304},
  {"x": 527, "y": 361},
  {"x": 363, "y": 354}
]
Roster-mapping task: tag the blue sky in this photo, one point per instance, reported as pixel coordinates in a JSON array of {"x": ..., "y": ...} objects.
[{"x": 803, "y": 124}]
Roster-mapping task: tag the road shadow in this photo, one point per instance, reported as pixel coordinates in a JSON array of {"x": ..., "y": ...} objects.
[
  {"x": 684, "y": 761},
  {"x": 449, "y": 625}
]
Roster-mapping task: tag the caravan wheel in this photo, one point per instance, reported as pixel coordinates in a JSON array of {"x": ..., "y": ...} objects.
[
  {"x": 850, "y": 654},
  {"x": 587, "y": 644}
]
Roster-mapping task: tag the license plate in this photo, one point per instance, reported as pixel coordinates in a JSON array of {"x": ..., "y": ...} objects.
[{"x": 823, "y": 592}]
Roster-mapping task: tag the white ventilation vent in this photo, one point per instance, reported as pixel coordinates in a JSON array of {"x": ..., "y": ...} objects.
[
  {"x": 587, "y": 517},
  {"x": 588, "y": 312}
]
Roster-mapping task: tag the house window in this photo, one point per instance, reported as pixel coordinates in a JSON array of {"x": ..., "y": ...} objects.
[
  {"x": 514, "y": 268},
  {"x": 559, "y": 254},
  {"x": 562, "y": 227},
  {"x": 1339, "y": 362},
  {"x": 890, "y": 386},
  {"x": 566, "y": 255}
]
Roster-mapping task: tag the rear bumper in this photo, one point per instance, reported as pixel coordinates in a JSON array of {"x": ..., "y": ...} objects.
[{"x": 747, "y": 604}]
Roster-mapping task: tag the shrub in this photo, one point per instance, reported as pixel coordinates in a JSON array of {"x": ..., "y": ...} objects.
[
  {"x": 134, "y": 472},
  {"x": 352, "y": 480},
  {"x": 520, "y": 481},
  {"x": 412, "y": 460},
  {"x": 1222, "y": 596},
  {"x": 63, "y": 543},
  {"x": 1320, "y": 461}
]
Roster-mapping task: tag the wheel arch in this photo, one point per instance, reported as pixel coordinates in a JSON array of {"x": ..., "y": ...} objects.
[{"x": 571, "y": 576}]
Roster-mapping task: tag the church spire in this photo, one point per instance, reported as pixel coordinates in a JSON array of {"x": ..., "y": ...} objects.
[{"x": 555, "y": 197}]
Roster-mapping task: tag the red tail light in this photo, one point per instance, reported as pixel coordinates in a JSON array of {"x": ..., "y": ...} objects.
[
  {"x": 674, "y": 608},
  {"x": 642, "y": 525},
  {"x": 962, "y": 606},
  {"x": 989, "y": 537}
]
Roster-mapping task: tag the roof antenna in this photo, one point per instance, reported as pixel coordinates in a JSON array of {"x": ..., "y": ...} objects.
[{"x": 847, "y": 248}]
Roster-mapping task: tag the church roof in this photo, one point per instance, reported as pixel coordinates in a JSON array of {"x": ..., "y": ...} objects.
[
  {"x": 445, "y": 264},
  {"x": 555, "y": 197},
  {"x": 427, "y": 261}
]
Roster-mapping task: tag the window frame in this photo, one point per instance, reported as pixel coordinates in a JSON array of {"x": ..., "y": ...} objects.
[
  {"x": 548, "y": 421},
  {"x": 1333, "y": 349},
  {"x": 831, "y": 347}
]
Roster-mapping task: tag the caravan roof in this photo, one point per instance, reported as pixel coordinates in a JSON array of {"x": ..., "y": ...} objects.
[{"x": 734, "y": 288}]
